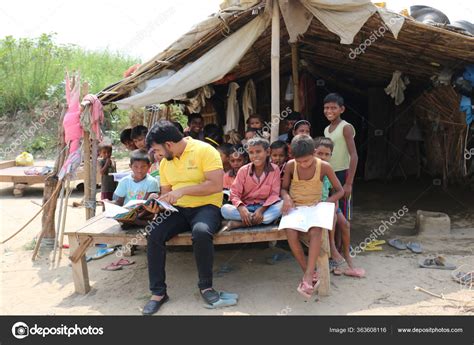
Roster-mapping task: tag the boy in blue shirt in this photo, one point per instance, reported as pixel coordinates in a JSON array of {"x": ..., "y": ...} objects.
[{"x": 138, "y": 185}]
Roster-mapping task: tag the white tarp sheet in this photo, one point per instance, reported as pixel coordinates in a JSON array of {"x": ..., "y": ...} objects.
[
  {"x": 208, "y": 68},
  {"x": 345, "y": 18}
]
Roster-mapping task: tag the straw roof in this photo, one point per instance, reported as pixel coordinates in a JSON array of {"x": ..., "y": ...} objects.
[{"x": 420, "y": 52}]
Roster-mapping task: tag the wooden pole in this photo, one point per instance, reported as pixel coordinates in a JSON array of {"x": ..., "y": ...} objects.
[
  {"x": 275, "y": 72},
  {"x": 93, "y": 176},
  {"x": 87, "y": 173},
  {"x": 63, "y": 221},
  {"x": 295, "y": 75}
]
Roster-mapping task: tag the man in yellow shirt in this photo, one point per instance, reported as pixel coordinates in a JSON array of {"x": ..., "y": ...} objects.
[{"x": 191, "y": 178}]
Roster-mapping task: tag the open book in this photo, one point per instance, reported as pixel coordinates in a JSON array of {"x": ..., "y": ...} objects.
[
  {"x": 129, "y": 212},
  {"x": 302, "y": 218}
]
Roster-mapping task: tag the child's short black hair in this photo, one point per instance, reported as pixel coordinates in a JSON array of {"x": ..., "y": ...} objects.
[
  {"x": 254, "y": 116},
  {"x": 294, "y": 116},
  {"x": 323, "y": 141},
  {"x": 213, "y": 132},
  {"x": 139, "y": 131},
  {"x": 126, "y": 135},
  {"x": 178, "y": 125},
  {"x": 163, "y": 131},
  {"x": 192, "y": 117},
  {"x": 139, "y": 155},
  {"x": 279, "y": 144},
  {"x": 258, "y": 141},
  {"x": 226, "y": 149},
  {"x": 105, "y": 146},
  {"x": 334, "y": 98},
  {"x": 249, "y": 129},
  {"x": 302, "y": 145},
  {"x": 239, "y": 150}
]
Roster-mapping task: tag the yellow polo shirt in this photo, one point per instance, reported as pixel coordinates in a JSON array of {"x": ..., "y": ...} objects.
[{"x": 188, "y": 170}]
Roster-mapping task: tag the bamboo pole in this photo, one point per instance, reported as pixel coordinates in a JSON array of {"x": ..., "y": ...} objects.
[
  {"x": 63, "y": 222},
  {"x": 275, "y": 72},
  {"x": 295, "y": 75}
]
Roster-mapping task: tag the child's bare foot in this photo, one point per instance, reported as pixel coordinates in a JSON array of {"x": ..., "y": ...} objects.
[{"x": 233, "y": 224}]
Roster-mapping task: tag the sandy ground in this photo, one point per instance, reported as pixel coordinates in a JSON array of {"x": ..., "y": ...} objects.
[{"x": 34, "y": 288}]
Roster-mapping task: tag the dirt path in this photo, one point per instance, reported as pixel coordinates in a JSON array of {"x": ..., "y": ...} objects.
[{"x": 34, "y": 288}]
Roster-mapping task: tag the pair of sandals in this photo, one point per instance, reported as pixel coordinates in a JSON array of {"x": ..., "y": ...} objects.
[
  {"x": 307, "y": 290},
  {"x": 400, "y": 245}
]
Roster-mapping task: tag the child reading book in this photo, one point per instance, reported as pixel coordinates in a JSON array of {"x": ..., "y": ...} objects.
[
  {"x": 255, "y": 193},
  {"x": 302, "y": 188},
  {"x": 138, "y": 185}
]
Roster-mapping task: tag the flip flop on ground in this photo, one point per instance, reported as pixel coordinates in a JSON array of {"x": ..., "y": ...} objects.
[
  {"x": 438, "y": 262},
  {"x": 415, "y": 247},
  {"x": 396, "y": 243}
]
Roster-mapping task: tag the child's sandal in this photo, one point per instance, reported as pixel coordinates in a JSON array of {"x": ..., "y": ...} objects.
[{"x": 306, "y": 290}]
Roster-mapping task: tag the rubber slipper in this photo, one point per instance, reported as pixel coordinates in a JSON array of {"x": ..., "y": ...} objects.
[
  {"x": 112, "y": 267},
  {"x": 355, "y": 272},
  {"x": 306, "y": 290},
  {"x": 415, "y": 247},
  {"x": 464, "y": 275},
  {"x": 100, "y": 253},
  {"x": 438, "y": 262},
  {"x": 124, "y": 262},
  {"x": 221, "y": 303},
  {"x": 376, "y": 243},
  {"x": 333, "y": 264},
  {"x": 372, "y": 249},
  {"x": 396, "y": 243},
  {"x": 228, "y": 295},
  {"x": 210, "y": 296}
]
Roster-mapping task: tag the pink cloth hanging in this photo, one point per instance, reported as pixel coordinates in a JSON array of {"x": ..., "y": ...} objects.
[
  {"x": 71, "y": 122},
  {"x": 97, "y": 115}
]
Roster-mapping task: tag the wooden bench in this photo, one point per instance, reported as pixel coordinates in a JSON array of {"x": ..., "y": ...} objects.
[
  {"x": 106, "y": 230},
  {"x": 9, "y": 172}
]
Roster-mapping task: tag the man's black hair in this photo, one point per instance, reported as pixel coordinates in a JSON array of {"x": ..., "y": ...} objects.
[
  {"x": 139, "y": 155},
  {"x": 163, "y": 131},
  {"x": 192, "y": 117},
  {"x": 138, "y": 131},
  {"x": 334, "y": 98},
  {"x": 178, "y": 125},
  {"x": 302, "y": 145},
  {"x": 126, "y": 135}
]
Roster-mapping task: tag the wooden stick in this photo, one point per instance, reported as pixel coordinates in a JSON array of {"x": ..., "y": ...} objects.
[
  {"x": 58, "y": 225},
  {"x": 87, "y": 173},
  {"x": 275, "y": 72},
  {"x": 295, "y": 75},
  {"x": 63, "y": 223}
]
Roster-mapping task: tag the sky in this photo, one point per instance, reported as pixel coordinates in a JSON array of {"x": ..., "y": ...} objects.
[{"x": 140, "y": 28}]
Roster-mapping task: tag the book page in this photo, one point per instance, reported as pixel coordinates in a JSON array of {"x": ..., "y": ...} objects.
[
  {"x": 303, "y": 218},
  {"x": 111, "y": 210}
]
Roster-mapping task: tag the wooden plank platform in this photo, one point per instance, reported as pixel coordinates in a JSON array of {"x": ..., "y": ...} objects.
[
  {"x": 100, "y": 229},
  {"x": 16, "y": 174}
]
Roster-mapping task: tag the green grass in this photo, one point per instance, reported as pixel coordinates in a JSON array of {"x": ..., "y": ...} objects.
[{"x": 33, "y": 69}]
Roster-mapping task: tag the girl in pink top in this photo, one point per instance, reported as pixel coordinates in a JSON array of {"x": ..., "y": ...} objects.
[{"x": 255, "y": 192}]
